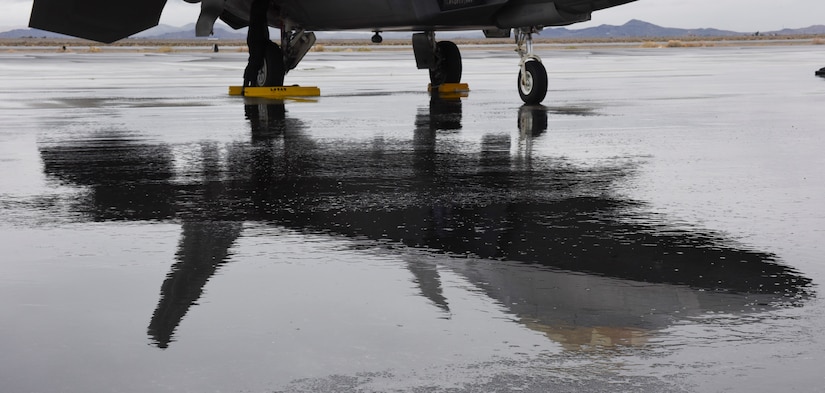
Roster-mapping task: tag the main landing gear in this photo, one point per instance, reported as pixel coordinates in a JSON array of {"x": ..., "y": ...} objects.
[
  {"x": 272, "y": 71},
  {"x": 532, "y": 76},
  {"x": 443, "y": 59},
  {"x": 277, "y": 60}
]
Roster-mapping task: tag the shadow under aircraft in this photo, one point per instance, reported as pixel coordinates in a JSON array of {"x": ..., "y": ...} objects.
[{"x": 551, "y": 241}]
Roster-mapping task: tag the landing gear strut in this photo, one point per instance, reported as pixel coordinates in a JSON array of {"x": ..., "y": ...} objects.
[
  {"x": 532, "y": 76},
  {"x": 261, "y": 67},
  {"x": 442, "y": 58}
]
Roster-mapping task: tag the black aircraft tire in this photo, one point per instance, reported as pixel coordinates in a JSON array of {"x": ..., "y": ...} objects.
[
  {"x": 273, "y": 71},
  {"x": 534, "y": 91},
  {"x": 448, "y": 67}
]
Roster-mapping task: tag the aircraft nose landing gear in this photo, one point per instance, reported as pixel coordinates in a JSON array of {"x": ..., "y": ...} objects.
[
  {"x": 532, "y": 77},
  {"x": 376, "y": 38}
]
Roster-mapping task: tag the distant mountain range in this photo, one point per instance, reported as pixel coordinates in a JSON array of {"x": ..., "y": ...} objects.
[
  {"x": 637, "y": 28},
  {"x": 633, "y": 28}
]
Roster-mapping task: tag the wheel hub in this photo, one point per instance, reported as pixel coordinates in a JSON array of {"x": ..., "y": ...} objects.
[
  {"x": 262, "y": 75},
  {"x": 526, "y": 83}
]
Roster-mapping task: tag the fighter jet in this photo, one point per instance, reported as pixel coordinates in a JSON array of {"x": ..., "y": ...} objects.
[{"x": 269, "y": 62}]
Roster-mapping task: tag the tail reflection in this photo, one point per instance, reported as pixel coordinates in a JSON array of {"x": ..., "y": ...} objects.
[
  {"x": 204, "y": 247},
  {"x": 443, "y": 114}
]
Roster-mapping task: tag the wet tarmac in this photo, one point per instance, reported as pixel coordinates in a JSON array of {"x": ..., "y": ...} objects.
[{"x": 656, "y": 226}]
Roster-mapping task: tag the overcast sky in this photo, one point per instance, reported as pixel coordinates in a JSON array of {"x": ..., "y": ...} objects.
[{"x": 737, "y": 15}]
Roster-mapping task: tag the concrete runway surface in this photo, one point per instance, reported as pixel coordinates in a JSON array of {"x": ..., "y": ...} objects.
[{"x": 656, "y": 226}]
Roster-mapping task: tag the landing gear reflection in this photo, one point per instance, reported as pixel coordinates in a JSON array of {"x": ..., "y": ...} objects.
[
  {"x": 532, "y": 77},
  {"x": 532, "y": 120}
]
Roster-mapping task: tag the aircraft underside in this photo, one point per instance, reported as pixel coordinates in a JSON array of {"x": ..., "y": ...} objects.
[
  {"x": 105, "y": 21},
  {"x": 498, "y": 18}
]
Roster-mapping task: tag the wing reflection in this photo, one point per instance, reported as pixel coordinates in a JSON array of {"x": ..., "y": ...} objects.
[
  {"x": 572, "y": 258},
  {"x": 127, "y": 178}
]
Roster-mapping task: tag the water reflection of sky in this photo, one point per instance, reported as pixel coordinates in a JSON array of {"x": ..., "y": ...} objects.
[{"x": 551, "y": 241}]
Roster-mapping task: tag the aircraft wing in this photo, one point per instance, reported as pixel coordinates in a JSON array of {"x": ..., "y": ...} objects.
[
  {"x": 110, "y": 20},
  {"x": 99, "y": 20}
]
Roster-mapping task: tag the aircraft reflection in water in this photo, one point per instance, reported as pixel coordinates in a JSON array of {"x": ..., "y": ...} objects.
[{"x": 548, "y": 240}]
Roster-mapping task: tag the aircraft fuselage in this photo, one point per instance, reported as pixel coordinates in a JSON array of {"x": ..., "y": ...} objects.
[
  {"x": 388, "y": 14},
  {"x": 421, "y": 15}
]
